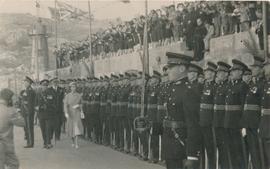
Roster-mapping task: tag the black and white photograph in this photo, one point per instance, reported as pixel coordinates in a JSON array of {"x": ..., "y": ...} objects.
[{"x": 134, "y": 84}]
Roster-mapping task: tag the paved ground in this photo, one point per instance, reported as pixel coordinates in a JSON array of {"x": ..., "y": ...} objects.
[{"x": 63, "y": 156}]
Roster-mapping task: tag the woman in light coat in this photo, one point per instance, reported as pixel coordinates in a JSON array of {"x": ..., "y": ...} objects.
[{"x": 73, "y": 112}]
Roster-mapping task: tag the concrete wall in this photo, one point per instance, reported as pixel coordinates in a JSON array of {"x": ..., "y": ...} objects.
[{"x": 224, "y": 48}]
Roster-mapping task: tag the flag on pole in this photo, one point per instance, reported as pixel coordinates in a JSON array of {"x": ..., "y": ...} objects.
[{"x": 65, "y": 11}]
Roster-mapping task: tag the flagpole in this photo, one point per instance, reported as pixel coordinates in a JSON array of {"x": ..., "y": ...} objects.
[
  {"x": 265, "y": 32},
  {"x": 145, "y": 65},
  {"x": 56, "y": 35},
  {"x": 90, "y": 40}
]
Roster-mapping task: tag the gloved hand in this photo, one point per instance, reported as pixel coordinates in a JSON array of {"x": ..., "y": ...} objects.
[{"x": 191, "y": 164}]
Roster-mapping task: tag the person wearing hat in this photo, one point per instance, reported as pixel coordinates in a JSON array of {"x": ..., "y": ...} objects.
[
  {"x": 206, "y": 112},
  {"x": 59, "y": 116},
  {"x": 156, "y": 126},
  {"x": 9, "y": 117},
  {"x": 247, "y": 77},
  {"x": 27, "y": 100},
  {"x": 73, "y": 110},
  {"x": 174, "y": 123},
  {"x": 251, "y": 116},
  {"x": 222, "y": 85},
  {"x": 264, "y": 127},
  {"x": 234, "y": 104},
  {"x": 46, "y": 112},
  {"x": 103, "y": 108},
  {"x": 113, "y": 108},
  {"x": 130, "y": 109},
  {"x": 192, "y": 108},
  {"x": 122, "y": 98},
  {"x": 137, "y": 113}
]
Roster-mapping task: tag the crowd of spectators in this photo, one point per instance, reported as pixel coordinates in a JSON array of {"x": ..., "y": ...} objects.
[{"x": 195, "y": 23}]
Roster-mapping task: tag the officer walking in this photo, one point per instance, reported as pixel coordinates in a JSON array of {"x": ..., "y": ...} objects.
[
  {"x": 47, "y": 112},
  {"x": 219, "y": 112},
  {"x": 59, "y": 116},
  {"x": 206, "y": 113},
  {"x": 234, "y": 103},
  {"x": 174, "y": 127},
  {"x": 27, "y": 100}
]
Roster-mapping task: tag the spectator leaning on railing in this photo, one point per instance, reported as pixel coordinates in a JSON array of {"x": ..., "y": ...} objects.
[{"x": 166, "y": 25}]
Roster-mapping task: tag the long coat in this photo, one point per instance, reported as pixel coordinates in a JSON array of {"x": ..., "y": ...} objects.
[
  {"x": 72, "y": 107},
  {"x": 8, "y": 118}
]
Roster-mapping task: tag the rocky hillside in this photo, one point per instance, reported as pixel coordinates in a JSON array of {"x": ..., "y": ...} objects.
[{"x": 15, "y": 42}]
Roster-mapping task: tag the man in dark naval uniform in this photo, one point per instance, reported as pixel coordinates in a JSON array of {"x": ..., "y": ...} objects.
[
  {"x": 152, "y": 98},
  {"x": 59, "y": 116},
  {"x": 192, "y": 108},
  {"x": 234, "y": 104},
  {"x": 252, "y": 112},
  {"x": 219, "y": 112},
  {"x": 264, "y": 127},
  {"x": 47, "y": 112},
  {"x": 27, "y": 101},
  {"x": 206, "y": 113},
  {"x": 174, "y": 127}
]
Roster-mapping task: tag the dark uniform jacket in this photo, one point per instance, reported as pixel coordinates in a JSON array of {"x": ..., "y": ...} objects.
[
  {"x": 137, "y": 102},
  {"x": 161, "y": 100},
  {"x": 192, "y": 108},
  {"x": 113, "y": 99},
  {"x": 152, "y": 95},
  {"x": 60, "y": 93},
  {"x": 122, "y": 99},
  {"x": 131, "y": 101},
  {"x": 252, "y": 108},
  {"x": 47, "y": 106},
  {"x": 103, "y": 101},
  {"x": 85, "y": 102},
  {"x": 219, "y": 104},
  {"x": 207, "y": 104},
  {"x": 174, "y": 123},
  {"x": 234, "y": 104},
  {"x": 265, "y": 114},
  {"x": 27, "y": 101}
]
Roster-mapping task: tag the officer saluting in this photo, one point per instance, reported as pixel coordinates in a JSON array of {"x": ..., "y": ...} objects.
[
  {"x": 174, "y": 128},
  {"x": 252, "y": 108},
  {"x": 27, "y": 107},
  {"x": 234, "y": 103}
]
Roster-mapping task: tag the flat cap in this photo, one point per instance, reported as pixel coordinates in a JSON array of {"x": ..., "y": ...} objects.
[
  {"x": 258, "y": 61},
  {"x": 195, "y": 68},
  {"x": 238, "y": 65},
  {"x": 54, "y": 79},
  {"x": 44, "y": 82},
  {"x": 210, "y": 66},
  {"x": 177, "y": 59},
  {"x": 247, "y": 72},
  {"x": 156, "y": 74},
  {"x": 222, "y": 66},
  {"x": 28, "y": 79}
]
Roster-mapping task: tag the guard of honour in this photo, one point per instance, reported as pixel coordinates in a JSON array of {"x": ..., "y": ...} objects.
[{"x": 216, "y": 117}]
